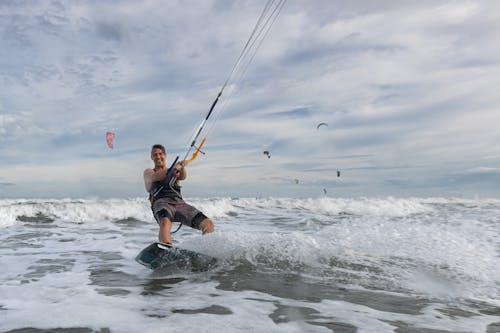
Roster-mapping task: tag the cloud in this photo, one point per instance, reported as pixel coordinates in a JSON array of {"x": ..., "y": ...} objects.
[
  {"x": 483, "y": 170},
  {"x": 408, "y": 89}
]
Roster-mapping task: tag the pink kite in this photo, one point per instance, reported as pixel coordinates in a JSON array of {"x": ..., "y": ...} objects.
[{"x": 110, "y": 136}]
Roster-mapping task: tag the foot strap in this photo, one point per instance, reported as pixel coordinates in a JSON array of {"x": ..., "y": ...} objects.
[{"x": 164, "y": 246}]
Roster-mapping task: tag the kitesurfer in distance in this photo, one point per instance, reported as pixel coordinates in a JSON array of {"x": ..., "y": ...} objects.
[{"x": 166, "y": 200}]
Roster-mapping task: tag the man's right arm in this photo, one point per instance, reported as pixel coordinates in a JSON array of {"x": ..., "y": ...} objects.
[{"x": 148, "y": 179}]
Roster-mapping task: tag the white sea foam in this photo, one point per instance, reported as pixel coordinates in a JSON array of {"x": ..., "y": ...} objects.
[
  {"x": 82, "y": 210},
  {"x": 437, "y": 248}
]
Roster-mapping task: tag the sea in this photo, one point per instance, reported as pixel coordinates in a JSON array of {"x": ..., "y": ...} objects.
[{"x": 324, "y": 264}]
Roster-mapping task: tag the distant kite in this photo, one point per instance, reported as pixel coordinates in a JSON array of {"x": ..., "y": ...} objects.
[
  {"x": 110, "y": 136},
  {"x": 267, "y": 153},
  {"x": 321, "y": 124}
]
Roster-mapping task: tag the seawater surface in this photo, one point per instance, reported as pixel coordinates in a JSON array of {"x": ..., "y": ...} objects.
[{"x": 284, "y": 265}]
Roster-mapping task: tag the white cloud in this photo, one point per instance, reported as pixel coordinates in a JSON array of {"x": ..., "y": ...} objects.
[
  {"x": 406, "y": 84},
  {"x": 483, "y": 169}
]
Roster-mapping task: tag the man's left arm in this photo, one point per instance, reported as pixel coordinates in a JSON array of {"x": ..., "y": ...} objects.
[{"x": 181, "y": 168}]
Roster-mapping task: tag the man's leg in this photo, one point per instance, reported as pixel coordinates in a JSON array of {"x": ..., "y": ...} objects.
[
  {"x": 206, "y": 226},
  {"x": 164, "y": 235}
]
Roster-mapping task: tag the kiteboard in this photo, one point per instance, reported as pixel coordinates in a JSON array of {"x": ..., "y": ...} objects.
[{"x": 160, "y": 255}]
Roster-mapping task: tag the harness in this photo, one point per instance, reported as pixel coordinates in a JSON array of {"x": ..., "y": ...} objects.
[{"x": 166, "y": 188}]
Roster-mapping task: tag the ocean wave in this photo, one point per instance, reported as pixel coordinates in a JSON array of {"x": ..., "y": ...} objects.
[
  {"x": 73, "y": 210},
  {"x": 376, "y": 254},
  {"x": 84, "y": 210},
  {"x": 447, "y": 247},
  {"x": 396, "y": 207}
]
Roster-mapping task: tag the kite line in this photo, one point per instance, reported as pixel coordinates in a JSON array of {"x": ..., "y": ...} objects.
[{"x": 266, "y": 19}]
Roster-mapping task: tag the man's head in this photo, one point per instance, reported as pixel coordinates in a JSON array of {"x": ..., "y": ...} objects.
[
  {"x": 158, "y": 146},
  {"x": 158, "y": 155}
]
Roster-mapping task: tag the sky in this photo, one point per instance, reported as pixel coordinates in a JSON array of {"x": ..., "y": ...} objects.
[{"x": 409, "y": 90}]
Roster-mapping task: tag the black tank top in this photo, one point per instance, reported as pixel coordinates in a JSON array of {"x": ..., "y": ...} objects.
[{"x": 162, "y": 189}]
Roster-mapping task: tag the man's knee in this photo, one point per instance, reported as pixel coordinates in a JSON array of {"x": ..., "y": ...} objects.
[{"x": 207, "y": 226}]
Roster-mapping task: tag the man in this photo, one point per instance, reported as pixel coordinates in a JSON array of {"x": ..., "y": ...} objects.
[{"x": 166, "y": 199}]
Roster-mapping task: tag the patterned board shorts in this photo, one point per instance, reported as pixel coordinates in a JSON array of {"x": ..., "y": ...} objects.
[{"x": 177, "y": 211}]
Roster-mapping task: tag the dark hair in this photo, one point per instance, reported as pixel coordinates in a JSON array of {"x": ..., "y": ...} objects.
[{"x": 158, "y": 146}]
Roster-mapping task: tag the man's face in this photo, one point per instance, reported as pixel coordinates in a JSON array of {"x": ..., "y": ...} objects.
[{"x": 158, "y": 157}]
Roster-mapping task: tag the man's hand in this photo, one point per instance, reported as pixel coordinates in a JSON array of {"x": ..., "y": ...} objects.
[
  {"x": 180, "y": 169},
  {"x": 181, "y": 165}
]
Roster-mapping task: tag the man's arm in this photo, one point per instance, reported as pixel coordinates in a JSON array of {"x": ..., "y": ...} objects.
[
  {"x": 148, "y": 179},
  {"x": 181, "y": 168}
]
